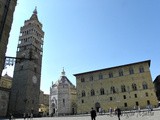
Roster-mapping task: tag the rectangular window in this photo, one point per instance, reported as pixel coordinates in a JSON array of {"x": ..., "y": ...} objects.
[
  {"x": 82, "y": 101},
  {"x": 141, "y": 69},
  {"x": 110, "y": 75},
  {"x": 137, "y": 104},
  {"x": 120, "y": 73},
  {"x": 148, "y": 102},
  {"x": 131, "y": 71},
  {"x": 110, "y": 98},
  {"x": 125, "y": 104},
  {"x": 82, "y": 80},
  {"x": 100, "y": 76},
  {"x": 63, "y": 102},
  {"x": 124, "y": 96},
  {"x": 135, "y": 95}
]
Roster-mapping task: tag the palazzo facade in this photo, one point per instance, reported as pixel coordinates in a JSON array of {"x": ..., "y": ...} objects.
[{"x": 126, "y": 86}]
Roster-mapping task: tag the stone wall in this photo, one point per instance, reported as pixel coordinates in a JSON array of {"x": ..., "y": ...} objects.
[{"x": 4, "y": 99}]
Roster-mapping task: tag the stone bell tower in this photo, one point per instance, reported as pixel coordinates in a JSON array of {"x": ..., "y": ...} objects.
[{"x": 27, "y": 72}]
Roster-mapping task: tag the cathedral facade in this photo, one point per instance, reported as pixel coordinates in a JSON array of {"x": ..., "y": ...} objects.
[
  {"x": 127, "y": 86},
  {"x": 62, "y": 100},
  {"x": 27, "y": 72}
]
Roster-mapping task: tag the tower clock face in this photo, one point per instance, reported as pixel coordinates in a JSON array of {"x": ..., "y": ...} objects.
[{"x": 34, "y": 79}]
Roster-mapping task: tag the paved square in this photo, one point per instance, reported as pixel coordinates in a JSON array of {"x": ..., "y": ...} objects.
[{"x": 154, "y": 115}]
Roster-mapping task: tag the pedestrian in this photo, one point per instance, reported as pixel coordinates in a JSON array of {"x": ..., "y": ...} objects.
[
  {"x": 28, "y": 116},
  {"x": 134, "y": 108},
  {"x": 100, "y": 110},
  {"x": 139, "y": 109},
  {"x": 93, "y": 114},
  {"x": 118, "y": 112},
  {"x": 10, "y": 116},
  {"x": 24, "y": 116},
  {"x": 31, "y": 116},
  {"x": 110, "y": 111}
]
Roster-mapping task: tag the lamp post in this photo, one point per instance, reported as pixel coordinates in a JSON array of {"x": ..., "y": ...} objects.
[{"x": 11, "y": 60}]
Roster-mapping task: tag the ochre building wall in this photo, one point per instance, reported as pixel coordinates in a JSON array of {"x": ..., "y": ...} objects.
[{"x": 102, "y": 81}]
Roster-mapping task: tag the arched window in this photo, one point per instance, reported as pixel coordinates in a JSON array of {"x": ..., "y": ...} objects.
[
  {"x": 144, "y": 85},
  {"x": 131, "y": 71},
  {"x": 123, "y": 88},
  {"x": 92, "y": 92},
  {"x": 113, "y": 90},
  {"x": 134, "y": 86},
  {"x": 102, "y": 91},
  {"x": 83, "y": 93},
  {"x": 141, "y": 69}
]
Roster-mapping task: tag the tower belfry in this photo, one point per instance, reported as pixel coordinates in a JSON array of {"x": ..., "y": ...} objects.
[{"x": 27, "y": 73}]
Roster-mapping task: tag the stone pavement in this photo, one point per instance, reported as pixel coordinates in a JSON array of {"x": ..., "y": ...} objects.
[
  {"x": 142, "y": 116},
  {"x": 154, "y": 115}
]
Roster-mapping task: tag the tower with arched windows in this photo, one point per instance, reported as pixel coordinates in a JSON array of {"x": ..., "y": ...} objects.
[
  {"x": 27, "y": 72},
  {"x": 126, "y": 86}
]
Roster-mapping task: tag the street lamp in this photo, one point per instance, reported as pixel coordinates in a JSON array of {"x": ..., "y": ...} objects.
[{"x": 12, "y": 60}]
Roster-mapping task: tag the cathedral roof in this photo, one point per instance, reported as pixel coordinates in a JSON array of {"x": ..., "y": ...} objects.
[
  {"x": 63, "y": 80},
  {"x": 34, "y": 15}
]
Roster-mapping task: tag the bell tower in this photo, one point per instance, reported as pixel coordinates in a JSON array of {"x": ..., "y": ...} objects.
[{"x": 27, "y": 72}]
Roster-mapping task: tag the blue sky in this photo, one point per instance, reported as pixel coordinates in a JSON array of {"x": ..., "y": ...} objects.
[{"x": 86, "y": 35}]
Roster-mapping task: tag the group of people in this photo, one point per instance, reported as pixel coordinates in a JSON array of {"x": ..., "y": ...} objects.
[
  {"x": 10, "y": 116},
  {"x": 27, "y": 116},
  {"x": 94, "y": 114}
]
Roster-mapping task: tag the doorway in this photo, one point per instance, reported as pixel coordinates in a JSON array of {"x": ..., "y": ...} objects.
[{"x": 97, "y": 106}]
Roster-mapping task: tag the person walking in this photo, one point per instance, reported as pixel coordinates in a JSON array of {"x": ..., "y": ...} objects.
[
  {"x": 118, "y": 112},
  {"x": 10, "y": 116},
  {"x": 110, "y": 111},
  {"x": 93, "y": 114},
  {"x": 31, "y": 116},
  {"x": 24, "y": 116}
]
